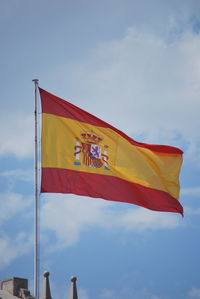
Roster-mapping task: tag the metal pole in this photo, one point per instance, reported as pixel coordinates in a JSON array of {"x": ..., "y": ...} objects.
[{"x": 36, "y": 214}]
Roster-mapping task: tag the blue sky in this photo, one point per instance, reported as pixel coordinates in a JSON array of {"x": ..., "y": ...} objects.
[{"x": 135, "y": 64}]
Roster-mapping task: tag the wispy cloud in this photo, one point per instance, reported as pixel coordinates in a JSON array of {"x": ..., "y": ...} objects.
[
  {"x": 192, "y": 211},
  {"x": 142, "y": 219},
  {"x": 12, "y": 204},
  {"x": 129, "y": 294},
  {"x": 18, "y": 174},
  {"x": 73, "y": 215},
  {"x": 17, "y": 137},
  {"x": 144, "y": 70},
  {"x": 12, "y": 248},
  {"x": 83, "y": 294},
  {"x": 193, "y": 191},
  {"x": 194, "y": 293}
]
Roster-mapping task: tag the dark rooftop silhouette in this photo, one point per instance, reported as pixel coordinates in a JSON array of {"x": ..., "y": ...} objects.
[{"x": 15, "y": 287}]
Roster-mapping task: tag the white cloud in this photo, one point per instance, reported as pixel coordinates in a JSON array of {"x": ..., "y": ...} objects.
[
  {"x": 193, "y": 152},
  {"x": 68, "y": 216},
  {"x": 194, "y": 293},
  {"x": 144, "y": 84},
  {"x": 142, "y": 219},
  {"x": 83, "y": 294},
  {"x": 129, "y": 294},
  {"x": 13, "y": 248},
  {"x": 191, "y": 211},
  {"x": 193, "y": 191},
  {"x": 71, "y": 216},
  {"x": 18, "y": 174},
  {"x": 12, "y": 204},
  {"x": 107, "y": 294},
  {"x": 17, "y": 137}
]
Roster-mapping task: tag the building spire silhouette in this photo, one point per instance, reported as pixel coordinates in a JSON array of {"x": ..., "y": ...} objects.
[
  {"x": 46, "y": 292},
  {"x": 73, "y": 291}
]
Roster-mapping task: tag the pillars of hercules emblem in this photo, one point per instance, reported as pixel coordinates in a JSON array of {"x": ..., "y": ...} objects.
[
  {"x": 105, "y": 159},
  {"x": 77, "y": 153}
]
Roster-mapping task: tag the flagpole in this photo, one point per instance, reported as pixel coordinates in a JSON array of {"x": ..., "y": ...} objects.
[{"x": 36, "y": 211}]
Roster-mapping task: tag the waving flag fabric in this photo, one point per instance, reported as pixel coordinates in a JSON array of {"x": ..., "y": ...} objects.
[{"x": 83, "y": 155}]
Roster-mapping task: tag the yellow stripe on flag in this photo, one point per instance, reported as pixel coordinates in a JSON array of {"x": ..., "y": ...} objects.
[{"x": 62, "y": 138}]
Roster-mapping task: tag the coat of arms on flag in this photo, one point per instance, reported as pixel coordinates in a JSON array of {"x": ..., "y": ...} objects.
[{"x": 89, "y": 151}]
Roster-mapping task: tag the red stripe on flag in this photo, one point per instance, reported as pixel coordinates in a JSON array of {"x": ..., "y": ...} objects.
[
  {"x": 56, "y": 180},
  {"x": 52, "y": 104}
]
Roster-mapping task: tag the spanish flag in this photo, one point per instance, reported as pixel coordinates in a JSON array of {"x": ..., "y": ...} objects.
[{"x": 83, "y": 155}]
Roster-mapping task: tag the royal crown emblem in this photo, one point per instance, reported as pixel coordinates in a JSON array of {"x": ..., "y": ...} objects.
[{"x": 90, "y": 151}]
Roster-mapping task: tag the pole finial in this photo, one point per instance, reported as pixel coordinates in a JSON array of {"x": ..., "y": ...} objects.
[{"x": 35, "y": 80}]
